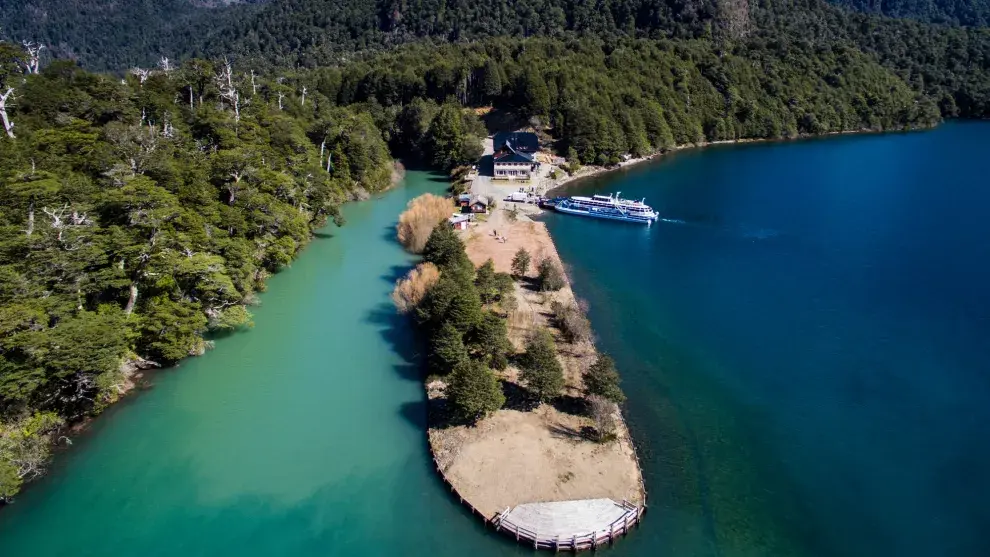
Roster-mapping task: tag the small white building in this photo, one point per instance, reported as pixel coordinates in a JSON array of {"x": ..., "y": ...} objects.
[{"x": 459, "y": 222}]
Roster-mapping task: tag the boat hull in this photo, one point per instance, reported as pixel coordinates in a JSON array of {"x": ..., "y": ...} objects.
[{"x": 563, "y": 208}]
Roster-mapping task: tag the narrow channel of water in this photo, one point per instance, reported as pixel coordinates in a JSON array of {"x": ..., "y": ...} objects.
[{"x": 301, "y": 437}]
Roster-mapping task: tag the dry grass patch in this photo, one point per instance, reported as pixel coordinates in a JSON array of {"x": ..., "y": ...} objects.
[
  {"x": 410, "y": 291},
  {"x": 419, "y": 218}
]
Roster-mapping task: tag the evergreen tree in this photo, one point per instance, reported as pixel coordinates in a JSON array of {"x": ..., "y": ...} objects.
[
  {"x": 536, "y": 96},
  {"x": 540, "y": 369},
  {"x": 520, "y": 262},
  {"x": 446, "y": 349},
  {"x": 492, "y": 286},
  {"x": 489, "y": 340},
  {"x": 446, "y": 250},
  {"x": 491, "y": 81},
  {"x": 473, "y": 391},
  {"x": 602, "y": 380}
]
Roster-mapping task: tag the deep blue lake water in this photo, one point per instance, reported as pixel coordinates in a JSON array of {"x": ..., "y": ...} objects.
[{"x": 805, "y": 341}]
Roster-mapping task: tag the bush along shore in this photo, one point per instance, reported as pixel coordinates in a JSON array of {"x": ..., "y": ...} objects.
[{"x": 522, "y": 408}]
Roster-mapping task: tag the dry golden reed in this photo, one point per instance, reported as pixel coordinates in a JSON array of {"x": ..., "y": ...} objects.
[
  {"x": 410, "y": 290},
  {"x": 417, "y": 221}
]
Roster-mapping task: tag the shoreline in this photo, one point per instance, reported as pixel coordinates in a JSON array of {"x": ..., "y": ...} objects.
[
  {"x": 593, "y": 170},
  {"x": 446, "y": 449},
  {"x": 517, "y": 463}
]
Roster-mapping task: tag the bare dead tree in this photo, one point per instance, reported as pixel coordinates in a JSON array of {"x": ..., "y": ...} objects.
[
  {"x": 228, "y": 93},
  {"x": 603, "y": 412},
  {"x": 167, "y": 130},
  {"x": 304, "y": 95},
  {"x": 62, "y": 220},
  {"x": 32, "y": 65},
  {"x": 281, "y": 96},
  {"x": 141, "y": 73},
  {"x": 166, "y": 65},
  {"x": 6, "y": 101},
  {"x": 254, "y": 84}
]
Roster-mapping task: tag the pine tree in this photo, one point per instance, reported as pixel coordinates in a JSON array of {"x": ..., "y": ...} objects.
[
  {"x": 602, "y": 380},
  {"x": 474, "y": 391},
  {"x": 446, "y": 349},
  {"x": 540, "y": 369},
  {"x": 520, "y": 263},
  {"x": 489, "y": 340},
  {"x": 446, "y": 250}
]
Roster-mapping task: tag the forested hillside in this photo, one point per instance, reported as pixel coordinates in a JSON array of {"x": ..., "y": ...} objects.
[
  {"x": 117, "y": 34},
  {"x": 633, "y": 96},
  {"x": 132, "y": 224},
  {"x": 950, "y": 64},
  {"x": 952, "y": 12}
]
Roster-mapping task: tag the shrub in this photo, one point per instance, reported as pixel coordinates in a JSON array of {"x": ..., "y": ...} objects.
[
  {"x": 602, "y": 380},
  {"x": 551, "y": 278},
  {"x": 539, "y": 366},
  {"x": 474, "y": 391},
  {"x": 411, "y": 290},
  {"x": 417, "y": 222},
  {"x": 492, "y": 286},
  {"x": 513, "y": 213},
  {"x": 573, "y": 325},
  {"x": 520, "y": 263},
  {"x": 603, "y": 414}
]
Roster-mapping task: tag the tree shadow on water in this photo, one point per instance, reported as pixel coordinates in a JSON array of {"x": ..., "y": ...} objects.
[
  {"x": 394, "y": 273},
  {"x": 398, "y": 331},
  {"x": 415, "y": 412},
  {"x": 389, "y": 235}
]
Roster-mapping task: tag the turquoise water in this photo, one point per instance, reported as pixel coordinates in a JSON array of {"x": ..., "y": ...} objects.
[
  {"x": 805, "y": 348},
  {"x": 805, "y": 342},
  {"x": 303, "y": 436}
]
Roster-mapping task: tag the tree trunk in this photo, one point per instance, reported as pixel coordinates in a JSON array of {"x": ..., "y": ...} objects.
[
  {"x": 8, "y": 126},
  {"x": 131, "y": 300},
  {"x": 30, "y": 225}
]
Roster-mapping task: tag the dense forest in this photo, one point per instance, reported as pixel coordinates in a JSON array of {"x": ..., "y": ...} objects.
[
  {"x": 113, "y": 34},
  {"x": 142, "y": 211},
  {"x": 974, "y": 13},
  {"x": 133, "y": 224}
]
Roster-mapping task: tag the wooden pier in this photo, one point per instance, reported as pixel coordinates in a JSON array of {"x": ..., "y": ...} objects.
[{"x": 569, "y": 525}]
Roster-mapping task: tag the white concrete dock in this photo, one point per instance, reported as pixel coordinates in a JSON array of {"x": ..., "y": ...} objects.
[{"x": 569, "y": 525}]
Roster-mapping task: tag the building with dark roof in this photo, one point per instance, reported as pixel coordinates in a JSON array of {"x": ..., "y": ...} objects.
[
  {"x": 514, "y": 156},
  {"x": 525, "y": 142}
]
